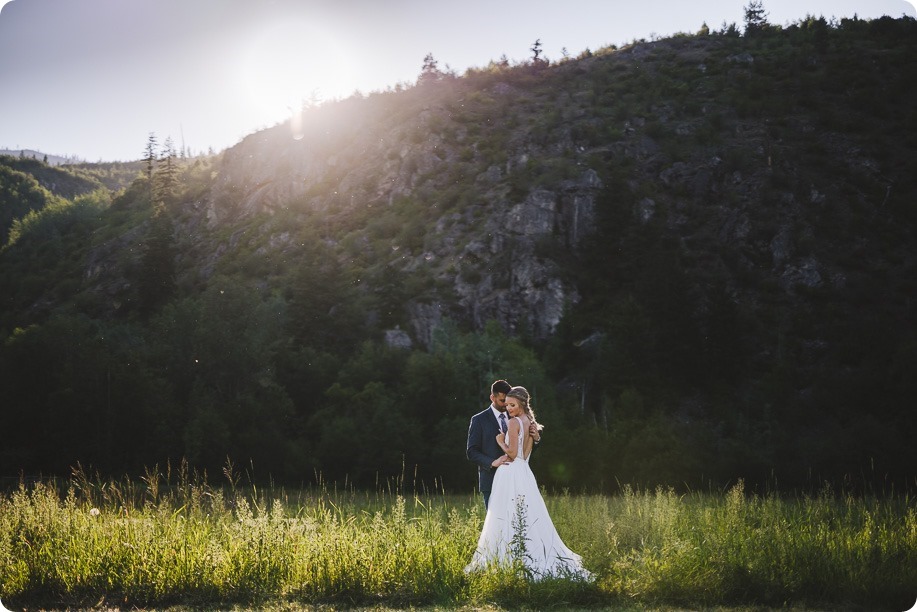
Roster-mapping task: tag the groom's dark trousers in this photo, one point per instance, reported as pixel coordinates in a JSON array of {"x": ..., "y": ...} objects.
[{"x": 482, "y": 448}]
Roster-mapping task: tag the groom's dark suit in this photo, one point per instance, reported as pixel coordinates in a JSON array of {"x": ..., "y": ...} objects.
[{"x": 483, "y": 448}]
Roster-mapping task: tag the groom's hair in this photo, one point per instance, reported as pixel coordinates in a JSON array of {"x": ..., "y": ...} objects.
[{"x": 500, "y": 386}]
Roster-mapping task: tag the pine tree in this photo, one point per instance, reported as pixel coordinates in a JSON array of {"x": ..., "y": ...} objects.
[
  {"x": 536, "y": 53},
  {"x": 755, "y": 18},
  {"x": 166, "y": 178},
  {"x": 430, "y": 71},
  {"x": 149, "y": 155}
]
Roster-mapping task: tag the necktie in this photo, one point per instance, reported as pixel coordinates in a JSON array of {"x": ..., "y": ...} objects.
[{"x": 503, "y": 423}]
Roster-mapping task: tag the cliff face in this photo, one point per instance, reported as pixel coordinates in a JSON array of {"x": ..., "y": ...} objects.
[
  {"x": 480, "y": 256},
  {"x": 775, "y": 173},
  {"x": 726, "y": 146}
]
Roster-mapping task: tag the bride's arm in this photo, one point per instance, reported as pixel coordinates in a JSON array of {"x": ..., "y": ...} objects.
[{"x": 500, "y": 461}]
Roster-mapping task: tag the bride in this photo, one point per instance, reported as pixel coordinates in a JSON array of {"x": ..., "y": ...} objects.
[{"x": 517, "y": 527}]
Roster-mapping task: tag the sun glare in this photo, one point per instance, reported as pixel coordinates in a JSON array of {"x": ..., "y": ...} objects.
[{"x": 288, "y": 64}]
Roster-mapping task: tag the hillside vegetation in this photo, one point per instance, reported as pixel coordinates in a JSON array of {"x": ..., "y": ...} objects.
[{"x": 698, "y": 253}]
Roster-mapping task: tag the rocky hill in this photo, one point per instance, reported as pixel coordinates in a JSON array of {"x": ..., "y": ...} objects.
[{"x": 706, "y": 243}]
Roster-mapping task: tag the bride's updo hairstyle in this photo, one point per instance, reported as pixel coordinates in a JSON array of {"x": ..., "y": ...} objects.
[{"x": 523, "y": 396}]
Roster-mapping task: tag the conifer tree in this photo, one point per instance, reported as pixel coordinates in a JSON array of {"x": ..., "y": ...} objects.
[
  {"x": 149, "y": 155},
  {"x": 536, "y": 53},
  {"x": 430, "y": 71},
  {"x": 166, "y": 178},
  {"x": 755, "y": 18}
]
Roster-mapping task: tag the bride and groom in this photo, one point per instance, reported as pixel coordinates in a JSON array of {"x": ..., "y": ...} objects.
[{"x": 517, "y": 526}]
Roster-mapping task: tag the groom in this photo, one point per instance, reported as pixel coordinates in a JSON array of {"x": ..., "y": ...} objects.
[{"x": 482, "y": 445}]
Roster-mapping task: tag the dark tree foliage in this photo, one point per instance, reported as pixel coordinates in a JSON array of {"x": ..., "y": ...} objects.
[
  {"x": 156, "y": 273},
  {"x": 77, "y": 390},
  {"x": 324, "y": 308}
]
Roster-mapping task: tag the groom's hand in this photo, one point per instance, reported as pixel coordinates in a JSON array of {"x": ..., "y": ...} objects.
[{"x": 533, "y": 431}]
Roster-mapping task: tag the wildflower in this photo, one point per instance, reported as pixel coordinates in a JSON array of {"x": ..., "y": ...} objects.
[{"x": 94, "y": 512}]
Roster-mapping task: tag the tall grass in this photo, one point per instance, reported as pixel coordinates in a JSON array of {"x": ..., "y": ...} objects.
[
  {"x": 157, "y": 542},
  {"x": 737, "y": 548}
]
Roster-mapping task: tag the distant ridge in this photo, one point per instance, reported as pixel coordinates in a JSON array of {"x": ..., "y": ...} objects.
[{"x": 53, "y": 160}]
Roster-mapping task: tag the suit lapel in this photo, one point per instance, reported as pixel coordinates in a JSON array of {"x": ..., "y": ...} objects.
[{"x": 494, "y": 419}]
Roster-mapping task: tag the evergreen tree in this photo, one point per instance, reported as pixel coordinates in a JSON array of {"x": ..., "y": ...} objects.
[
  {"x": 149, "y": 155},
  {"x": 430, "y": 71},
  {"x": 729, "y": 30},
  {"x": 536, "y": 53},
  {"x": 165, "y": 184},
  {"x": 755, "y": 18}
]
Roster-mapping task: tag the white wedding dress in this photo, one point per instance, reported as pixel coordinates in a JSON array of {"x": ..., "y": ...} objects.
[{"x": 517, "y": 526}]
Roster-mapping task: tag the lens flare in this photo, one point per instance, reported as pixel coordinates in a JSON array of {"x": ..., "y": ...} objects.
[{"x": 291, "y": 64}]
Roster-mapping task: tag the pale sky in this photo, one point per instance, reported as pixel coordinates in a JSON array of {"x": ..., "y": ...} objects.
[{"x": 92, "y": 78}]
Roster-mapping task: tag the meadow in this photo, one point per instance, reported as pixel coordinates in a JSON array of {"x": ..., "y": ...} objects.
[{"x": 172, "y": 540}]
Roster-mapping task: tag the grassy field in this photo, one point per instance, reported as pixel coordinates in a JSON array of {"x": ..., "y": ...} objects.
[{"x": 176, "y": 542}]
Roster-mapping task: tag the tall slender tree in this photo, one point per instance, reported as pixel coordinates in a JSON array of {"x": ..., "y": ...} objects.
[
  {"x": 149, "y": 155},
  {"x": 166, "y": 177}
]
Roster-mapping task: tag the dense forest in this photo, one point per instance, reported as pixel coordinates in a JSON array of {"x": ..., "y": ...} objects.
[{"x": 698, "y": 253}]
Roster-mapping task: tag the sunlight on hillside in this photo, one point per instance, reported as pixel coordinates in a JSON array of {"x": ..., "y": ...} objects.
[{"x": 289, "y": 63}]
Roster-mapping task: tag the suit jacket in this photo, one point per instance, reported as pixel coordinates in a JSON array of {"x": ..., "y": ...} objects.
[{"x": 482, "y": 446}]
